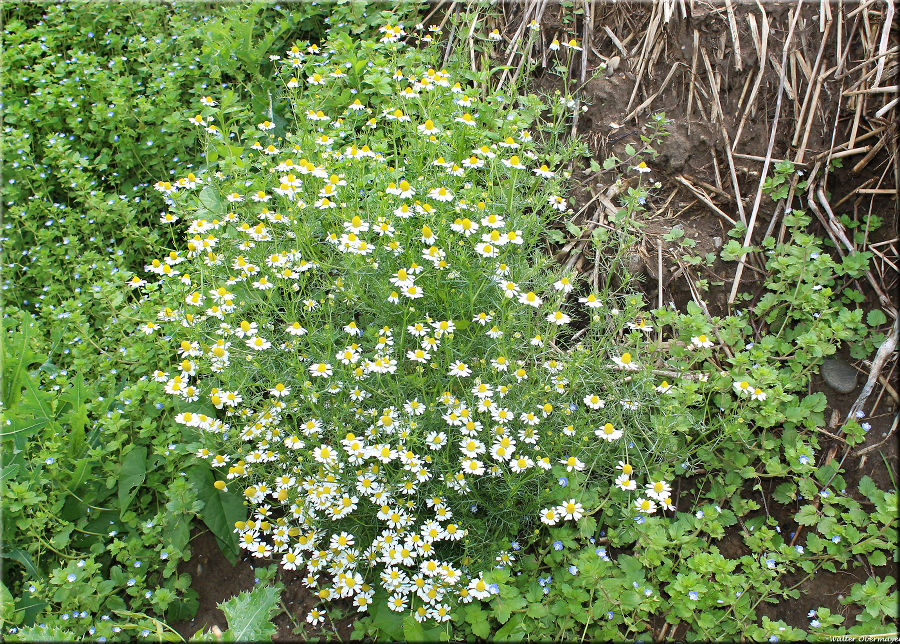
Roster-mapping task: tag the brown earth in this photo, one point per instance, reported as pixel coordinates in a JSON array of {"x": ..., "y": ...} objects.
[{"x": 216, "y": 580}]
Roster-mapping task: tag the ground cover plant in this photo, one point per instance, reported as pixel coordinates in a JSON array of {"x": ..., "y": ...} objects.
[
  {"x": 94, "y": 472},
  {"x": 355, "y": 360}
]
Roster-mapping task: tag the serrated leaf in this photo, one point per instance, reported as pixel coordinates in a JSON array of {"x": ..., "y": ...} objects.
[
  {"x": 868, "y": 489},
  {"x": 587, "y": 526},
  {"x": 412, "y": 630},
  {"x": 478, "y": 620},
  {"x": 250, "y": 614},
  {"x": 807, "y": 515},
  {"x": 875, "y": 317}
]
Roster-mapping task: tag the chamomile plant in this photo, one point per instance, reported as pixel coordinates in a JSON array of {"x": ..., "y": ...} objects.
[{"x": 372, "y": 345}]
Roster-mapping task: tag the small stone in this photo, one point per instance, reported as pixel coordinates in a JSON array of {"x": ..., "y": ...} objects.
[
  {"x": 612, "y": 65},
  {"x": 717, "y": 242},
  {"x": 634, "y": 263},
  {"x": 839, "y": 375}
]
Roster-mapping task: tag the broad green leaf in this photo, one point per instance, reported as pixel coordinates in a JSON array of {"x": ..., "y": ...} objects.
[
  {"x": 212, "y": 201},
  {"x": 867, "y": 488},
  {"x": 875, "y": 318},
  {"x": 807, "y": 515},
  {"x": 77, "y": 420},
  {"x": 15, "y": 554},
  {"x": 511, "y": 631},
  {"x": 412, "y": 630},
  {"x": 131, "y": 476},
  {"x": 220, "y": 509},
  {"x": 478, "y": 619}
]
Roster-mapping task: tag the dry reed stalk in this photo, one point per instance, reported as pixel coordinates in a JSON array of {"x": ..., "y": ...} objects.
[
  {"x": 809, "y": 89},
  {"x": 704, "y": 198},
  {"x": 724, "y": 132},
  {"x": 742, "y": 261},
  {"x": 693, "y": 78},
  {"x": 735, "y": 38},
  {"x": 645, "y": 46}
]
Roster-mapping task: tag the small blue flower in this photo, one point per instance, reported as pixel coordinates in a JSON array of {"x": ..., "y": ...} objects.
[
  {"x": 494, "y": 588},
  {"x": 836, "y": 539},
  {"x": 514, "y": 545},
  {"x": 770, "y": 563},
  {"x": 860, "y": 414},
  {"x": 49, "y": 461},
  {"x": 473, "y": 508},
  {"x": 811, "y": 613},
  {"x": 647, "y": 592},
  {"x": 824, "y": 494},
  {"x": 799, "y": 549},
  {"x": 693, "y": 595},
  {"x": 557, "y": 545},
  {"x": 71, "y": 577},
  {"x": 573, "y": 570},
  {"x": 609, "y": 614},
  {"x": 815, "y": 624},
  {"x": 804, "y": 459},
  {"x": 563, "y": 481},
  {"x": 866, "y": 427},
  {"x": 145, "y": 633}
]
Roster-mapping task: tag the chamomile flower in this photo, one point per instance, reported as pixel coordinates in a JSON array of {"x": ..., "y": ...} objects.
[
  {"x": 608, "y": 432},
  {"x": 700, "y": 342},
  {"x": 742, "y": 388},
  {"x": 549, "y": 516},
  {"x": 664, "y": 387},
  {"x": 625, "y": 362},
  {"x": 594, "y": 401},
  {"x": 571, "y": 510},
  {"x": 558, "y": 318},
  {"x": 658, "y": 490}
]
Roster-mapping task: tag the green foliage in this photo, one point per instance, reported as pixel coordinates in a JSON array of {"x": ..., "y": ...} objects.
[
  {"x": 249, "y": 616},
  {"x": 99, "y": 488},
  {"x": 778, "y": 185}
]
